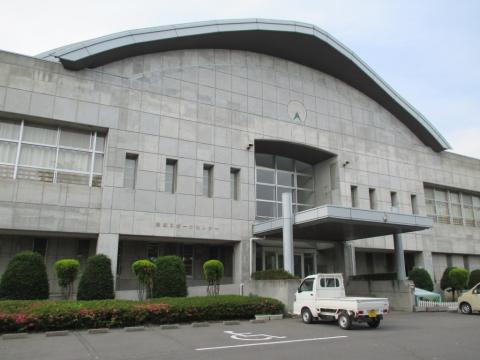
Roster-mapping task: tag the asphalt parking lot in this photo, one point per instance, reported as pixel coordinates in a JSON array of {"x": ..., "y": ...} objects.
[{"x": 401, "y": 336}]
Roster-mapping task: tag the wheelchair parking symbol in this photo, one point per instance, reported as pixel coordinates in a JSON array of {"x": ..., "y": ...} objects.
[{"x": 249, "y": 336}]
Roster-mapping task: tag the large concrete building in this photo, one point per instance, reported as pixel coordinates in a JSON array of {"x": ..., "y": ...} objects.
[{"x": 182, "y": 140}]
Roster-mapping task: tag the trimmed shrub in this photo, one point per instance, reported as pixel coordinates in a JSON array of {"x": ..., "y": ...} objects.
[
  {"x": 67, "y": 272},
  {"x": 273, "y": 274},
  {"x": 96, "y": 282},
  {"x": 458, "y": 279},
  {"x": 66, "y": 314},
  {"x": 421, "y": 278},
  {"x": 170, "y": 277},
  {"x": 144, "y": 270},
  {"x": 25, "y": 278},
  {"x": 445, "y": 281},
  {"x": 213, "y": 272},
  {"x": 473, "y": 279},
  {"x": 375, "y": 277}
]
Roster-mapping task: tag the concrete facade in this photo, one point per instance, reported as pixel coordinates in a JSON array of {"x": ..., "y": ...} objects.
[{"x": 204, "y": 107}]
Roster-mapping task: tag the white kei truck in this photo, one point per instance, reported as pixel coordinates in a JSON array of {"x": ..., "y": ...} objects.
[{"x": 322, "y": 297}]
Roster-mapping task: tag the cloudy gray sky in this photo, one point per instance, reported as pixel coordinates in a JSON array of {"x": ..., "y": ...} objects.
[{"x": 429, "y": 50}]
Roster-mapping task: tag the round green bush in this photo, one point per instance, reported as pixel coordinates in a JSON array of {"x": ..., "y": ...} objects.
[
  {"x": 170, "y": 277},
  {"x": 67, "y": 271},
  {"x": 96, "y": 282},
  {"x": 213, "y": 270},
  {"x": 445, "y": 281},
  {"x": 458, "y": 279},
  {"x": 25, "y": 278},
  {"x": 474, "y": 278},
  {"x": 144, "y": 270},
  {"x": 421, "y": 278}
]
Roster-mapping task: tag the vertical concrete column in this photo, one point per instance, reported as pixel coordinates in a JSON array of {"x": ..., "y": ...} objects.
[
  {"x": 107, "y": 244},
  {"x": 287, "y": 232},
  {"x": 239, "y": 262},
  {"x": 399, "y": 257},
  {"x": 350, "y": 262}
]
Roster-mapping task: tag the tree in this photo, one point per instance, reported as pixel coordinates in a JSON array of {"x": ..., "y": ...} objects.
[
  {"x": 445, "y": 281},
  {"x": 473, "y": 279},
  {"x": 421, "y": 278},
  {"x": 213, "y": 272},
  {"x": 25, "y": 278},
  {"x": 67, "y": 271},
  {"x": 458, "y": 279},
  {"x": 170, "y": 277},
  {"x": 144, "y": 270},
  {"x": 96, "y": 282}
]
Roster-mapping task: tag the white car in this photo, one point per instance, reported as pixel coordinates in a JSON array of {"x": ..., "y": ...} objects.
[{"x": 322, "y": 296}]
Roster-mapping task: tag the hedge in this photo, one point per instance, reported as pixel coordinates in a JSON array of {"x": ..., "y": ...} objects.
[
  {"x": 170, "y": 277},
  {"x": 273, "y": 274},
  {"x": 421, "y": 278},
  {"x": 96, "y": 282},
  {"x": 17, "y": 316}
]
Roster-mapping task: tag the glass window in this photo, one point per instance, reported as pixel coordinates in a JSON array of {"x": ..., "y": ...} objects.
[
  {"x": 8, "y": 152},
  {"x": 265, "y": 209},
  {"x": 307, "y": 285},
  {"x": 187, "y": 256},
  {"x": 98, "y": 164},
  {"x": 284, "y": 163},
  {"x": 285, "y": 179},
  {"x": 413, "y": 200},
  {"x": 305, "y": 197},
  {"x": 75, "y": 138},
  {"x": 305, "y": 182},
  {"x": 39, "y": 156},
  {"x": 281, "y": 190},
  {"x": 265, "y": 160},
  {"x": 265, "y": 192},
  {"x": 40, "y": 246},
  {"x": 265, "y": 176},
  {"x": 170, "y": 176},
  {"x": 74, "y": 160},
  {"x": 304, "y": 168},
  {"x": 270, "y": 260},
  {"x": 234, "y": 183},
  {"x": 373, "y": 198},
  {"x": 428, "y": 193},
  {"x": 207, "y": 180},
  {"x": 308, "y": 263},
  {"x": 440, "y": 195},
  {"x": 354, "y": 195},
  {"x": 130, "y": 175},
  {"x": 329, "y": 282},
  {"x": 100, "y": 143},
  {"x": 9, "y": 129},
  {"x": 40, "y": 134}
]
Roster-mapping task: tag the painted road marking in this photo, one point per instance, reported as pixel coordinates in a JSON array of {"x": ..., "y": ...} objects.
[
  {"x": 271, "y": 343},
  {"x": 250, "y": 336}
]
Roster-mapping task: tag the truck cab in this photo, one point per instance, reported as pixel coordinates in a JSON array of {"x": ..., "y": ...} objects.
[{"x": 322, "y": 296}]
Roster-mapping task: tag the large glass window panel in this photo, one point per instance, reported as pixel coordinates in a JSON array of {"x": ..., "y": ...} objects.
[
  {"x": 476, "y": 200},
  {"x": 8, "y": 152},
  {"x": 302, "y": 167},
  {"x": 308, "y": 263},
  {"x": 467, "y": 199},
  {"x": 75, "y": 138},
  {"x": 74, "y": 160},
  {"x": 281, "y": 190},
  {"x": 265, "y": 176},
  {"x": 265, "y": 160},
  {"x": 429, "y": 193},
  {"x": 9, "y": 129},
  {"x": 455, "y": 197},
  {"x": 305, "y": 182},
  {"x": 40, "y": 134},
  {"x": 265, "y": 192},
  {"x": 430, "y": 207},
  {"x": 442, "y": 209},
  {"x": 265, "y": 209},
  {"x": 284, "y": 163},
  {"x": 297, "y": 265},
  {"x": 100, "y": 143},
  {"x": 270, "y": 260},
  {"x": 441, "y": 195},
  {"x": 98, "y": 165},
  {"x": 456, "y": 211},
  {"x": 305, "y": 197},
  {"x": 285, "y": 178},
  {"x": 41, "y": 156},
  {"x": 468, "y": 212}
]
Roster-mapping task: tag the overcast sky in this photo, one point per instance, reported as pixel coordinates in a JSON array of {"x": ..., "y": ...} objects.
[{"x": 428, "y": 51}]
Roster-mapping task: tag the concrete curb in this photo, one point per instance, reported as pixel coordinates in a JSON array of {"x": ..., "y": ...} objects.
[
  {"x": 258, "y": 321},
  {"x": 169, "y": 327},
  {"x": 56, "y": 333},
  {"x": 200, "y": 324},
  {"x": 276, "y": 317},
  {"x": 262, "y": 317},
  {"x": 232, "y": 322},
  {"x": 134, "y": 328},
  {"x": 98, "y": 331},
  {"x": 14, "y": 336}
]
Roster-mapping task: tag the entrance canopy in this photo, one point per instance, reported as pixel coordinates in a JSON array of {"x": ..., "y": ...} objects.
[{"x": 337, "y": 223}]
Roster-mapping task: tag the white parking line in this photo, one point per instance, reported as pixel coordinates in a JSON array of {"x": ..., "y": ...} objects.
[{"x": 271, "y": 343}]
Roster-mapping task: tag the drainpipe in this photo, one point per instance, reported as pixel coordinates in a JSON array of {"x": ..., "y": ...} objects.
[{"x": 287, "y": 232}]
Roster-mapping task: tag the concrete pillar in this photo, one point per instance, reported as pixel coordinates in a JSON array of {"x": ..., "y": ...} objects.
[
  {"x": 238, "y": 263},
  {"x": 107, "y": 244},
  {"x": 287, "y": 232},
  {"x": 399, "y": 257},
  {"x": 350, "y": 261}
]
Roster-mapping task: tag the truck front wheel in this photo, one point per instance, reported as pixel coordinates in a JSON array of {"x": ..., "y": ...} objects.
[
  {"x": 373, "y": 323},
  {"x": 307, "y": 316},
  {"x": 344, "y": 321}
]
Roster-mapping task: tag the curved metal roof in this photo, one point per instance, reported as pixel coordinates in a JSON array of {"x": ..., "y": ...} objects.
[{"x": 299, "y": 42}]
